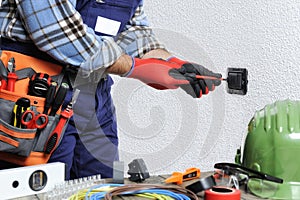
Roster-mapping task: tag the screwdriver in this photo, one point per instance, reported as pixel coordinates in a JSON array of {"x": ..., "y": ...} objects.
[
  {"x": 12, "y": 76},
  {"x": 50, "y": 97},
  {"x": 63, "y": 118},
  {"x": 210, "y": 78},
  {"x": 237, "y": 80},
  {"x": 21, "y": 105},
  {"x": 59, "y": 98}
]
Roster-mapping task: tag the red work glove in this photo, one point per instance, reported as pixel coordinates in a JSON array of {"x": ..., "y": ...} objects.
[
  {"x": 162, "y": 74},
  {"x": 155, "y": 73},
  {"x": 190, "y": 70}
]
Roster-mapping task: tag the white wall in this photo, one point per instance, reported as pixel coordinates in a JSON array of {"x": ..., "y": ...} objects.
[{"x": 172, "y": 131}]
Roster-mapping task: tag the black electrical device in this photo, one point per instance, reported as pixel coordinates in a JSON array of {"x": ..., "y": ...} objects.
[
  {"x": 138, "y": 171},
  {"x": 237, "y": 81}
]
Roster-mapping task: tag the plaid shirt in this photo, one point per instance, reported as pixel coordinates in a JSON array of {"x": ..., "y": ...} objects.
[{"x": 56, "y": 28}]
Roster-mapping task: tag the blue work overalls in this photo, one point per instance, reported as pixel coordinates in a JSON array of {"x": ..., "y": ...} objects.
[{"x": 90, "y": 143}]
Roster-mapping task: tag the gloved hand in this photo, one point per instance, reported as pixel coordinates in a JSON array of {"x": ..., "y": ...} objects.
[
  {"x": 162, "y": 74},
  {"x": 190, "y": 71},
  {"x": 155, "y": 73}
]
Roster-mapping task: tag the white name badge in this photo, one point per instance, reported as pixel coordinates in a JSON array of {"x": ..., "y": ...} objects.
[{"x": 107, "y": 26}]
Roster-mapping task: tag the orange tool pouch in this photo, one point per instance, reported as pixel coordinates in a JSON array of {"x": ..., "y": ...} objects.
[{"x": 24, "y": 146}]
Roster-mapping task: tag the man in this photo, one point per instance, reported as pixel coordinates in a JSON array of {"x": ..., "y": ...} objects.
[{"x": 98, "y": 37}]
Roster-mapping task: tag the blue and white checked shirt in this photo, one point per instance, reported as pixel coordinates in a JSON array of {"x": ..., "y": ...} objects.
[{"x": 55, "y": 27}]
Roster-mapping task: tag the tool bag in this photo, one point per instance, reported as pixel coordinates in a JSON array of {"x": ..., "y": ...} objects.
[{"x": 25, "y": 146}]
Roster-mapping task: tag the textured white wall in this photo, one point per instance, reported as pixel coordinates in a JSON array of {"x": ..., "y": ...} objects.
[{"x": 172, "y": 131}]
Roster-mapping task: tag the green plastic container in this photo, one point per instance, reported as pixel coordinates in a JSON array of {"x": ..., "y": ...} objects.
[{"x": 272, "y": 146}]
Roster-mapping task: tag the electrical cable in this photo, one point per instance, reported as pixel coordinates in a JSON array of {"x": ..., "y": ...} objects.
[
  {"x": 96, "y": 190},
  {"x": 184, "y": 193},
  {"x": 151, "y": 191},
  {"x": 161, "y": 192}
]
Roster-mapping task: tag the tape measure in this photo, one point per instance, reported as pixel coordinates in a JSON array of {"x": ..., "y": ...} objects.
[
  {"x": 39, "y": 84},
  {"x": 222, "y": 193}
]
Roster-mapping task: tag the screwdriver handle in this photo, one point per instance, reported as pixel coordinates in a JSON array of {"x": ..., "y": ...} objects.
[
  {"x": 55, "y": 136},
  {"x": 59, "y": 98},
  {"x": 50, "y": 97}
]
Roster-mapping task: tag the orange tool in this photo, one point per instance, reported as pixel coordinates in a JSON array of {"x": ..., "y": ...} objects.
[{"x": 189, "y": 174}]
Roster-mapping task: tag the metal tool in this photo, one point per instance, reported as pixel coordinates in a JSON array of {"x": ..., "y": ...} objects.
[
  {"x": 12, "y": 76},
  {"x": 55, "y": 136},
  {"x": 31, "y": 120},
  {"x": 59, "y": 98},
  {"x": 21, "y": 105}
]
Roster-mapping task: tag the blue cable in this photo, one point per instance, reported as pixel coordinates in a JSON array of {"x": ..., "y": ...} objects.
[
  {"x": 162, "y": 192},
  {"x": 95, "y": 196},
  {"x": 100, "y": 195}
]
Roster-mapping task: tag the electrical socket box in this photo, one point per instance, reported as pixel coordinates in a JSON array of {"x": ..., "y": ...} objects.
[
  {"x": 30, "y": 180},
  {"x": 237, "y": 81}
]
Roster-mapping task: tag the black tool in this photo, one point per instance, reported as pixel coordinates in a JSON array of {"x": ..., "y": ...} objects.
[
  {"x": 21, "y": 105},
  {"x": 59, "y": 98},
  {"x": 50, "y": 97},
  {"x": 39, "y": 84},
  {"x": 138, "y": 171},
  {"x": 202, "y": 184}
]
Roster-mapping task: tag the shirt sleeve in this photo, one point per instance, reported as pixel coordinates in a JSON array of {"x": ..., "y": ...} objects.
[
  {"x": 138, "y": 37},
  {"x": 57, "y": 29}
]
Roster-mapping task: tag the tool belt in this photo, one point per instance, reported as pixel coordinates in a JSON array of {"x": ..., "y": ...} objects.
[{"x": 23, "y": 144}]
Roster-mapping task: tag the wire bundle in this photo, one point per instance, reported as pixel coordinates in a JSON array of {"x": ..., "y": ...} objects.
[
  {"x": 152, "y": 191},
  {"x": 174, "y": 192}
]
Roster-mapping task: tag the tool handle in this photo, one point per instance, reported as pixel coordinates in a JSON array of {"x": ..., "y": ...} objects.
[
  {"x": 21, "y": 105},
  {"x": 59, "y": 98},
  {"x": 11, "y": 80},
  {"x": 50, "y": 97},
  {"x": 56, "y": 134}
]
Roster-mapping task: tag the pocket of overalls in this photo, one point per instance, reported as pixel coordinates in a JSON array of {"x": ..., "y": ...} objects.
[{"x": 117, "y": 10}]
